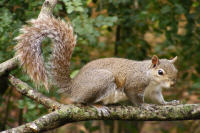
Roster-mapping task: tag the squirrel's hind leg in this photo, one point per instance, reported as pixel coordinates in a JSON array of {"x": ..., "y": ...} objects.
[{"x": 92, "y": 86}]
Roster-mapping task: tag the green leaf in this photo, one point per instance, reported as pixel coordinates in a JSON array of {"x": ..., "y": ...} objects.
[
  {"x": 31, "y": 105},
  {"x": 195, "y": 4},
  {"x": 79, "y": 9},
  {"x": 21, "y": 104},
  {"x": 77, "y": 3},
  {"x": 74, "y": 73},
  {"x": 165, "y": 9},
  {"x": 70, "y": 9},
  {"x": 196, "y": 85},
  {"x": 179, "y": 9}
]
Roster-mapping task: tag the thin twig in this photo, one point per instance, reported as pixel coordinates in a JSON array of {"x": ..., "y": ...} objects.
[
  {"x": 7, "y": 109},
  {"x": 26, "y": 90}
]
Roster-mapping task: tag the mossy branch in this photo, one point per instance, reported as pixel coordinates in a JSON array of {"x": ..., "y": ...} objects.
[
  {"x": 26, "y": 90},
  {"x": 64, "y": 114},
  {"x": 72, "y": 113}
]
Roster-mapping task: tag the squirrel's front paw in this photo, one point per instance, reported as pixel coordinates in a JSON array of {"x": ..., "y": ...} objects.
[
  {"x": 174, "y": 102},
  {"x": 147, "y": 107}
]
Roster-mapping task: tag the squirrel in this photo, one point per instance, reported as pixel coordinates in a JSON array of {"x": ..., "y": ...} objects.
[{"x": 106, "y": 80}]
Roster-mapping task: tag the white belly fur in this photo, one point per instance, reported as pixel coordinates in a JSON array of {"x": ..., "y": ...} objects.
[{"x": 115, "y": 96}]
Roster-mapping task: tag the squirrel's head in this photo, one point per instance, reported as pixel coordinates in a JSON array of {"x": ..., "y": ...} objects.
[{"x": 163, "y": 72}]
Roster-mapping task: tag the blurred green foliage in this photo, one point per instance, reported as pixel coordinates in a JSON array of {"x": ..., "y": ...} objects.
[{"x": 134, "y": 29}]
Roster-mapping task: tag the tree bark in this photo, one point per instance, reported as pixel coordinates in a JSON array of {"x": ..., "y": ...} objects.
[
  {"x": 8, "y": 65},
  {"x": 73, "y": 113},
  {"x": 26, "y": 90},
  {"x": 64, "y": 114}
]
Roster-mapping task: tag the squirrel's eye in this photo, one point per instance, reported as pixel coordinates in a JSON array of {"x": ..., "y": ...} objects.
[{"x": 160, "y": 72}]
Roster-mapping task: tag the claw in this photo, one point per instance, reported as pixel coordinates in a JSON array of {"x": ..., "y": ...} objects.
[
  {"x": 102, "y": 110},
  {"x": 174, "y": 102},
  {"x": 147, "y": 107}
]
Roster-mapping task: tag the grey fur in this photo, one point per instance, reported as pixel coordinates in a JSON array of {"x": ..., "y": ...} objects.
[{"x": 96, "y": 81}]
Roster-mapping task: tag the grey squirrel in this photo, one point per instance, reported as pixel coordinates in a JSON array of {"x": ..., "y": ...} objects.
[{"x": 107, "y": 80}]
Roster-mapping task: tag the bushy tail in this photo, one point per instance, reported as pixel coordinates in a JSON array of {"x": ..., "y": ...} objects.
[{"x": 29, "y": 50}]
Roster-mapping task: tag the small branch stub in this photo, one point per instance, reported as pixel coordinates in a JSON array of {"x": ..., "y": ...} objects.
[
  {"x": 8, "y": 65},
  {"x": 47, "y": 8}
]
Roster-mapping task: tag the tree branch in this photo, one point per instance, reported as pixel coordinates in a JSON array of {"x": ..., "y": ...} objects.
[
  {"x": 73, "y": 113},
  {"x": 8, "y": 65},
  {"x": 26, "y": 90},
  {"x": 47, "y": 8}
]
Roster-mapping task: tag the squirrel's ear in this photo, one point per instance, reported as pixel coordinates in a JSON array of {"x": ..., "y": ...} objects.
[
  {"x": 174, "y": 59},
  {"x": 155, "y": 61}
]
